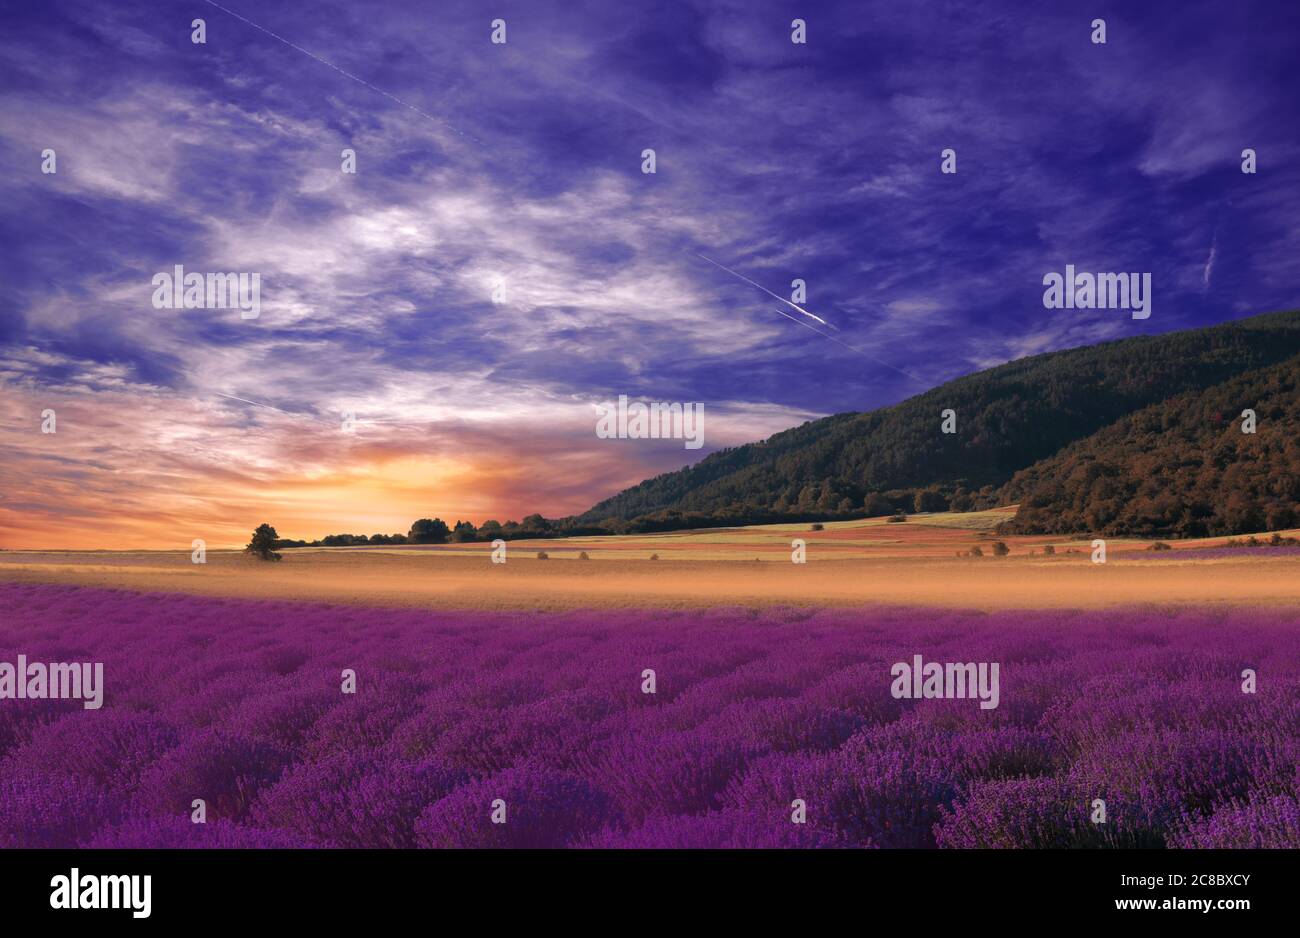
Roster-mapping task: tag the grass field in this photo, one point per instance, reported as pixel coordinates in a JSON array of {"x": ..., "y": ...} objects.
[
  {"x": 848, "y": 563},
  {"x": 521, "y": 681}
]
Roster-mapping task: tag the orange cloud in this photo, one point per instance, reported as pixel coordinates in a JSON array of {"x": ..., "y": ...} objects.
[{"x": 153, "y": 471}]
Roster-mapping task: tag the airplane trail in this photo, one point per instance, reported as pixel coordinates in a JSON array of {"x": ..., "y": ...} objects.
[
  {"x": 851, "y": 348},
  {"x": 777, "y": 296}
]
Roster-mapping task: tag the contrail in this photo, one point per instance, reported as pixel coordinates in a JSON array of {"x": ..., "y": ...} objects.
[
  {"x": 254, "y": 403},
  {"x": 288, "y": 413},
  {"x": 805, "y": 312},
  {"x": 851, "y": 348},
  {"x": 343, "y": 72},
  {"x": 777, "y": 296}
]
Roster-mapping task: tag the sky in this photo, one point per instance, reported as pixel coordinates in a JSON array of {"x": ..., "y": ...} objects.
[{"x": 499, "y": 264}]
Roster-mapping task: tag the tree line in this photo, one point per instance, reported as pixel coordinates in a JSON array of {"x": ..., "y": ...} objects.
[
  {"x": 437, "y": 531},
  {"x": 1137, "y": 437}
]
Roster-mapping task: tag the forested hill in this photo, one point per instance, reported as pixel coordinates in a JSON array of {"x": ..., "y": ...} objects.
[
  {"x": 1008, "y": 418},
  {"x": 1180, "y": 468}
]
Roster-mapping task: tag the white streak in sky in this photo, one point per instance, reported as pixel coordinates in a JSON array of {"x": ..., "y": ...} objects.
[
  {"x": 851, "y": 348},
  {"x": 343, "y": 72},
  {"x": 254, "y": 403},
  {"x": 792, "y": 305},
  {"x": 1209, "y": 263}
]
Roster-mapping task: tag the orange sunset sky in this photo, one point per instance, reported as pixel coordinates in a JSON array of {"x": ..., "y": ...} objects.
[{"x": 150, "y": 470}]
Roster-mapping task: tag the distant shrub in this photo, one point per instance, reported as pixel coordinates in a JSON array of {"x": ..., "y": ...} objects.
[
  {"x": 1275, "y": 540},
  {"x": 976, "y": 552},
  {"x": 1000, "y": 549},
  {"x": 1049, "y": 549},
  {"x": 895, "y": 519},
  {"x": 654, "y": 556},
  {"x": 818, "y": 527},
  {"x": 583, "y": 556},
  {"x": 1159, "y": 545},
  {"x": 543, "y": 555}
]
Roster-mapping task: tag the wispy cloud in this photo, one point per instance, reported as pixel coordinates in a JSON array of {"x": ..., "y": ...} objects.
[
  {"x": 1208, "y": 271},
  {"x": 499, "y": 262}
]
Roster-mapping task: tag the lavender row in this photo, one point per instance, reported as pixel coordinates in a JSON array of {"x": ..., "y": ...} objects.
[{"x": 770, "y": 729}]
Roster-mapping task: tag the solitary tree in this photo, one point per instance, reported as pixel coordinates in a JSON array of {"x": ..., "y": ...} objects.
[{"x": 263, "y": 543}]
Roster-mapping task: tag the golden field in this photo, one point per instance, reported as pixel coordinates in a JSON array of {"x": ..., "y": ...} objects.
[{"x": 849, "y": 563}]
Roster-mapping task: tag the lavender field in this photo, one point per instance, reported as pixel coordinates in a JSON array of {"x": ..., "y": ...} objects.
[{"x": 239, "y": 703}]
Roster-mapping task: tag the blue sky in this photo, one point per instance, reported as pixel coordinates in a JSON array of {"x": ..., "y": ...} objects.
[{"x": 520, "y": 163}]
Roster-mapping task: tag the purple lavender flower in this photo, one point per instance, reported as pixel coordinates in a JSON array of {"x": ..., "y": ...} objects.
[{"x": 239, "y": 703}]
